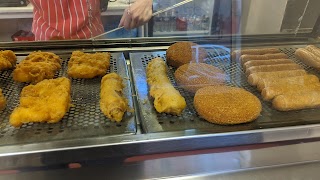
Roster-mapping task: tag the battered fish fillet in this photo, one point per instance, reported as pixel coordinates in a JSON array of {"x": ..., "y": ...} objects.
[
  {"x": 85, "y": 65},
  {"x": 36, "y": 67},
  {"x": 3, "y": 101},
  {"x": 7, "y": 59},
  {"x": 166, "y": 98},
  {"x": 48, "y": 101},
  {"x": 112, "y": 102}
]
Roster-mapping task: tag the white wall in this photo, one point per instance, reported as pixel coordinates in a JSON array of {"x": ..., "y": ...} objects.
[{"x": 262, "y": 16}]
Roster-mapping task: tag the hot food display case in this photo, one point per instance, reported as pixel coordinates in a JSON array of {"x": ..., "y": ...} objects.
[{"x": 147, "y": 137}]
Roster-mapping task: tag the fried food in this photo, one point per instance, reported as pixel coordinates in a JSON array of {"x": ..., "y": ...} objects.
[
  {"x": 254, "y": 78},
  {"x": 273, "y": 68},
  {"x": 194, "y": 76},
  {"x": 182, "y": 53},
  {"x": 253, "y": 63},
  {"x": 308, "y": 57},
  {"x": 302, "y": 80},
  {"x": 86, "y": 65},
  {"x": 48, "y": 101},
  {"x": 247, "y": 57},
  {"x": 36, "y": 67},
  {"x": 7, "y": 59},
  {"x": 297, "y": 100},
  {"x": 226, "y": 105},
  {"x": 3, "y": 101},
  {"x": 237, "y": 53},
  {"x": 112, "y": 102},
  {"x": 271, "y": 92},
  {"x": 166, "y": 98}
]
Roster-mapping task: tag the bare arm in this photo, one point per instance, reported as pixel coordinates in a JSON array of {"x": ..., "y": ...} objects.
[{"x": 137, "y": 14}]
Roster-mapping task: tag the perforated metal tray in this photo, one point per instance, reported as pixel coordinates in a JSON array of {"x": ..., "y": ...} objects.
[
  {"x": 190, "y": 121},
  {"x": 83, "y": 120}
]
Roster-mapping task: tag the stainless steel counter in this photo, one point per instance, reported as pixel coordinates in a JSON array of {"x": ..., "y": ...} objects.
[
  {"x": 130, "y": 146},
  {"x": 297, "y": 161}
]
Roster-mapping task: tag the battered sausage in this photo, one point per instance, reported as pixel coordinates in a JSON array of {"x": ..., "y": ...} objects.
[
  {"x": 308, "y": 58},
  {"x": 297, "y": 100},
  {"x": 269, "y": 93},
  {"x": 254, "y": 78},
  {"x": 113, "y": 104},
  {"x": 302, "y": 80},
  {"x": 272, "y": 68},
  {"x": 245, "y": 58},
  {"x": 166, "y": 98},
  {"x": 237, "y": 53},
  {"x": 252, "y": 63}
]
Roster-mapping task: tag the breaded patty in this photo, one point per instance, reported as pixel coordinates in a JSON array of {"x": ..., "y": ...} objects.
[
  {"x": 182, "y": 53},
  {"x": 194, "y": 76},
  {"x": 86, "y": 65},
  {"x": 36, "y": 67},
  {"x": 226, "y": 105}
]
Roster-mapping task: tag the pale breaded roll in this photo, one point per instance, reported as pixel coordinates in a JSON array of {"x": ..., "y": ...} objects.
[
  {"x": 308, "y": 58},
  {"x": 253, "y": 63},
  {"x": 272, "y": 68},
  {"x": 247, "y": 57},
  {"x": 271, "y": 92},
  {"x": 166, "y": 98},
  {"x": 314, "y": 49},
  {"x": 237, "y": 53},
  {"x": 301, "y": 80},
  {"x": 254, "y": 78},
  {"x": 297, "y": 100}
]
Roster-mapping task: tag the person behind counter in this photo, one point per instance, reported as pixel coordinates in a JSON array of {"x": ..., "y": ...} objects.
[{"x": 72, "y": 19}]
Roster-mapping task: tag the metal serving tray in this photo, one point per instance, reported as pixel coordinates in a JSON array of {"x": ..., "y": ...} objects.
[
  {"x": 190, "y": 121},
  {"x": 83, "y": 120}
]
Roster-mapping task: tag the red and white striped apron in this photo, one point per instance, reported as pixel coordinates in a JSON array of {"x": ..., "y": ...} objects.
[{"x": 68, "y": 19}]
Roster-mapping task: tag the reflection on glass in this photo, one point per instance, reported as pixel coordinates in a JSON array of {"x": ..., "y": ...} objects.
[{"x": 81, "y": 19}]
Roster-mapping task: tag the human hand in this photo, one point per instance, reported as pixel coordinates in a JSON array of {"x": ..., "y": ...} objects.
[{"x": 136, "y": 14}]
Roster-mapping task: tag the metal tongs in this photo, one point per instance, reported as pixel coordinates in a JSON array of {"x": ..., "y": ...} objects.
[{"x": 154, "y": 14}]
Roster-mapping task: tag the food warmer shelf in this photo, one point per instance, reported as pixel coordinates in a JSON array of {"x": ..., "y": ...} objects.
[{"x": 91, "y": 136}]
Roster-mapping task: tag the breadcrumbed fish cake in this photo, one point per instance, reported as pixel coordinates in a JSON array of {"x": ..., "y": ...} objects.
[
  {"x": 194, "y": 76},
  {"x": 36, "y": 67},
  {"x": 48, "y": 101},
  {"x": 87, "y": 65},
  {"x": 182, "y": 53},
  {"x": 227, "y": 105}
]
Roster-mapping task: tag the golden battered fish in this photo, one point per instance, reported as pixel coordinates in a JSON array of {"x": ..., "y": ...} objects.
[
  {"x": 112, "y": 102},
  {"x": 85, "y": 65},
  {"x": 48, "y": 101},
  {"x": 36, "y": 67},
  {"x": 7, "y": 59},
  {"x": 166, "y": 98}
]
